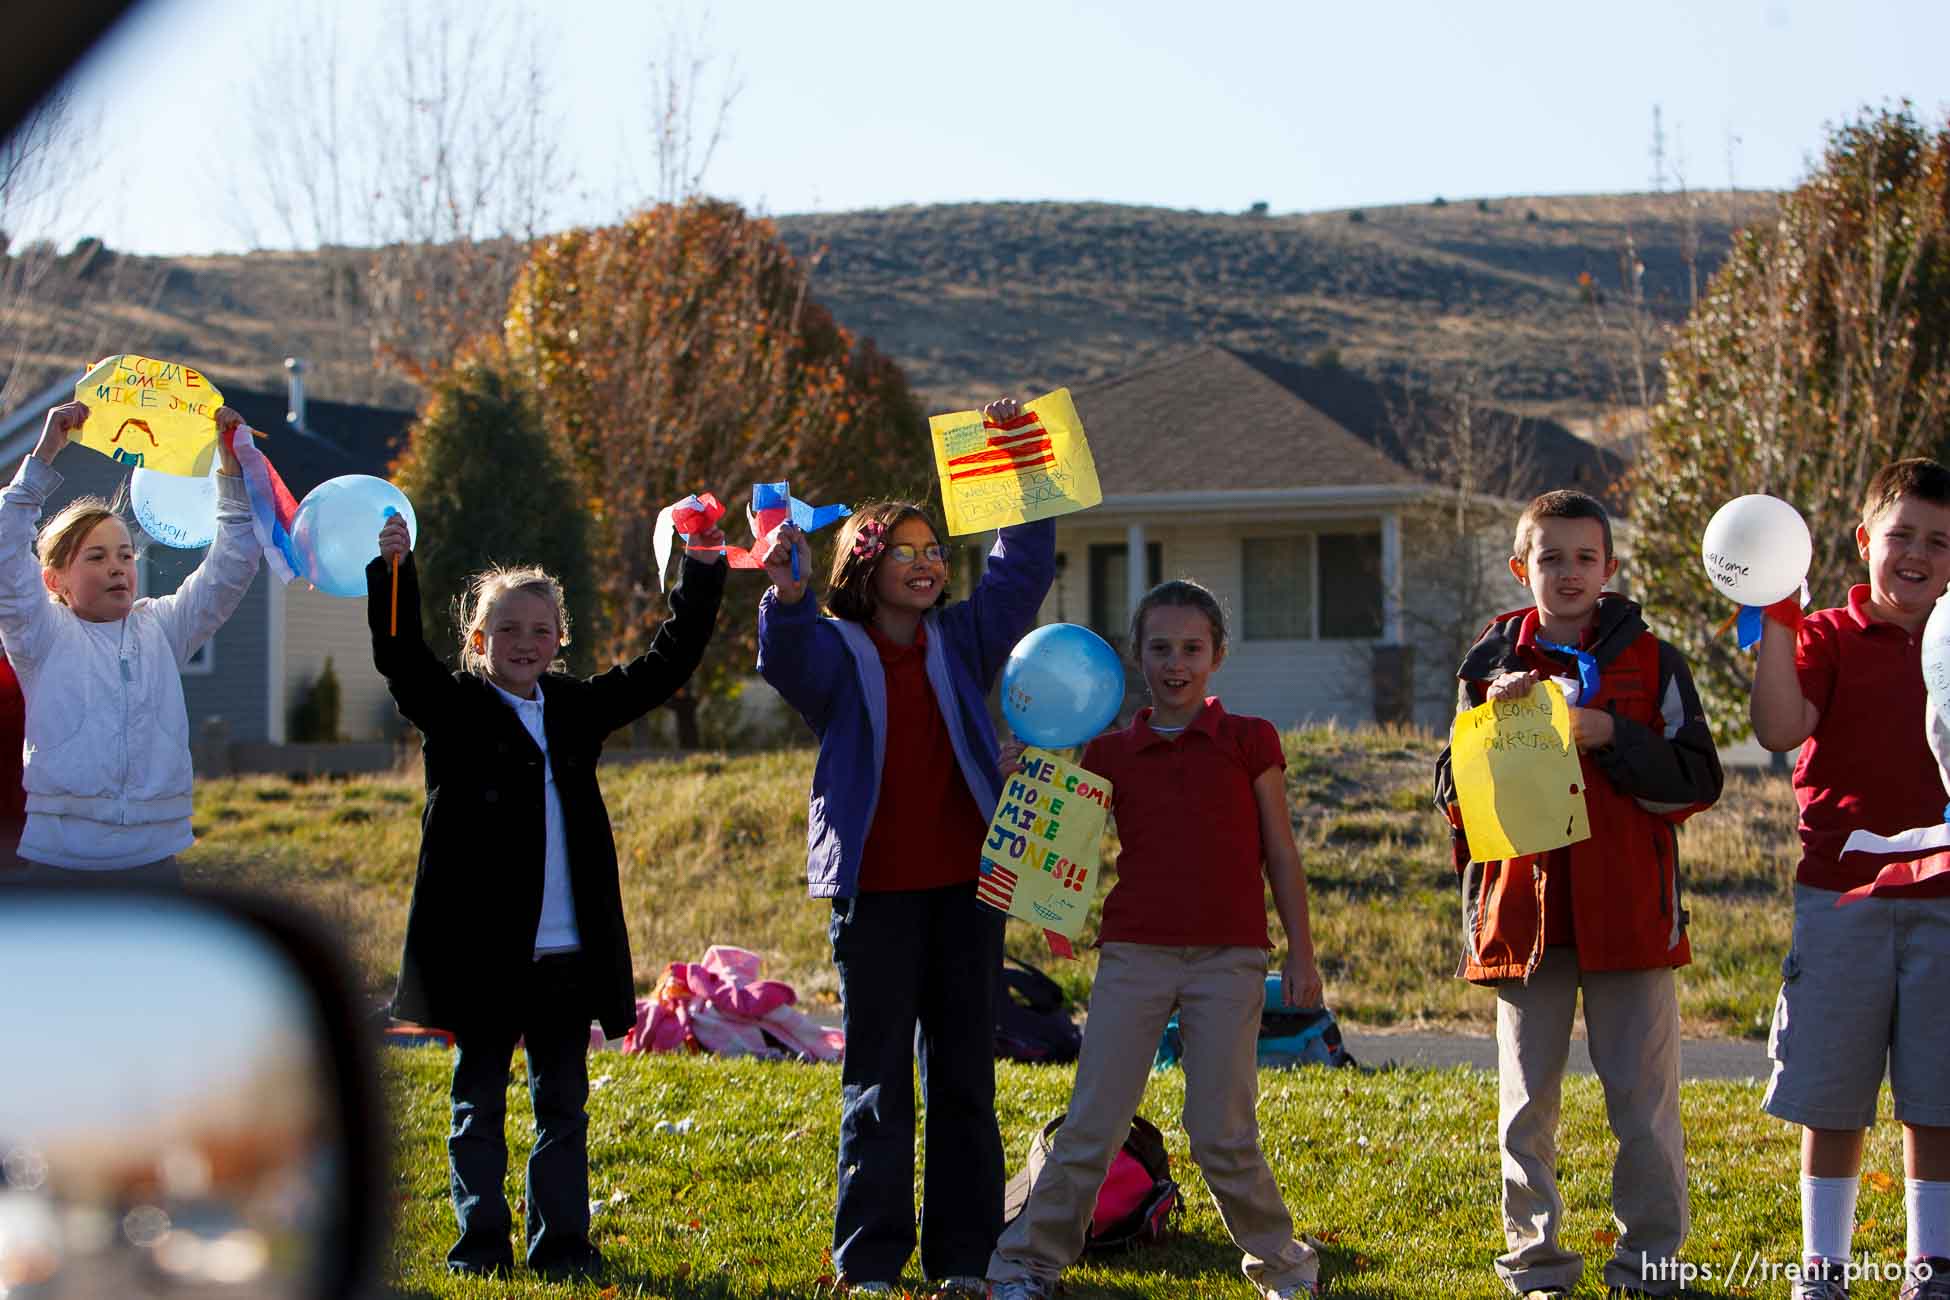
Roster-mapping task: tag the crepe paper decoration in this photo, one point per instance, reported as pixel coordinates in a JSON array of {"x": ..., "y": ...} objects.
[
  {"x": 694, "y": 514},
  {"x": 1039, "y": 861},
  {"x": 773, "y": 506},
  {"x": 1749, "y": 620},
  {"x": 273, "y": 508},
  {"x": 1036, "y": 466},
  {"x": 149, "y": 414},
  {"x": 1587, "y": 685},
  {"x": 1907, "y": 858},
  {"x": 1518, "y": 777}
]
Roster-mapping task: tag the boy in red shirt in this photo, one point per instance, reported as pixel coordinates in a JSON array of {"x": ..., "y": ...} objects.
[
  {"x": 1862, "y": 985},
  {"x": 1602, "y": 915}
]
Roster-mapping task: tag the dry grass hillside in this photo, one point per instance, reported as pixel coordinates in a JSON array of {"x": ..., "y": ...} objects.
[{"x": 972, "y": 298}]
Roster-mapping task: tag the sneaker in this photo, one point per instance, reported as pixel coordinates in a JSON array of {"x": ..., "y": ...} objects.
[
  {"x": 1819, "y": 1283},
  {"x": 869, "y": 1288},
  {"x": 962, "y": 1286},
  {"x": 1298, "y": 1291},
  {"x": 1545, "y": 1293},
  {"x": 1027, "y": 1288},
  {"x": 1926, "y": 1279}
]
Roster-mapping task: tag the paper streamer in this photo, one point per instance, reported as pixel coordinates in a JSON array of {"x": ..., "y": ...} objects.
[
  {"x": 272, "y": 506},
  {"x": 773, "y": 506},
  {"x": 1908, "y": 858}
]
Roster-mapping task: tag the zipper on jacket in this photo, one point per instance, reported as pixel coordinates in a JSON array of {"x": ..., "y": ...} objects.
[
  {"x": 128, "y": 678},
  {"x": 1659, "y": 860}
]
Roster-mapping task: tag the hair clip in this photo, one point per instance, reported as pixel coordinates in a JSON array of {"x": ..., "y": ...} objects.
[{"x": 869, "y": 540}]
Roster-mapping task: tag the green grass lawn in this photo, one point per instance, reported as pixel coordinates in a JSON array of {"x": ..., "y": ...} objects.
[
  {"x": 712, "y": 850},
  {"x": 1394, "y": 1170}
]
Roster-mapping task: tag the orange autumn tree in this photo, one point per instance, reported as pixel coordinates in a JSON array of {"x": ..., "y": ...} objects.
[{"x": 680, "y": 352}]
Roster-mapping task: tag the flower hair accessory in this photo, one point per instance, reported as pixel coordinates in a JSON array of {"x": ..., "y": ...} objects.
[{"x": 870, "y": 540}]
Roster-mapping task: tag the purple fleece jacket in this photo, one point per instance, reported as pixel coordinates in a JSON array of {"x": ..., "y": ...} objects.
[{"x": 828, "y": 670}]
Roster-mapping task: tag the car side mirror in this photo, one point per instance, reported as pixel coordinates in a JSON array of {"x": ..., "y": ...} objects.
[{"x": 189, "y": 1106}]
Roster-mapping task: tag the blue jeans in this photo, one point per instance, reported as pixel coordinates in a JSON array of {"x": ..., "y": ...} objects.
[
  {"x": 917, "y": 974},
  {"x": 553, "y": 1024}
]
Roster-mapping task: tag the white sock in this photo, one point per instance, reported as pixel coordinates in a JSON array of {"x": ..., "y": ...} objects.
[
  {"x": 1827, "y": 1216},
  {"x": 1927, "y": 1205}
]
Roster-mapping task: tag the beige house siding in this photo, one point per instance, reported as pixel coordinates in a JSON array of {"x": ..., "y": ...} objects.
[{"x": 317, "y": 626}]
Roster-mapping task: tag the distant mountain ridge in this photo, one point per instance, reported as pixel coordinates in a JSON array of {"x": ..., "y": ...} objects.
[{"x": 976, "y": 299}]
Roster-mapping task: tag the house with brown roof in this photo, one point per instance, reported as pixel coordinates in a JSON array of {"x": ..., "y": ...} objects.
[{"x": 1354, "y": 530}]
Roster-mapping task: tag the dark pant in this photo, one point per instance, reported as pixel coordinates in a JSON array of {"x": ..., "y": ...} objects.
[
  {"x": 553, "y": 1024},
  {"x": 917, "y": 973}
]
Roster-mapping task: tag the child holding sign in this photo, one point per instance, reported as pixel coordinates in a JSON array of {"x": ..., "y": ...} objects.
[
  {"x": 107, "y": 768},
  {"x": 516, "y": 933},
  {"x": 1863, "y": 985},
  {"x": 1602, "y": 915},
  {"x": 1199, "y": 795},
  {"x": 895, "y": 684}
]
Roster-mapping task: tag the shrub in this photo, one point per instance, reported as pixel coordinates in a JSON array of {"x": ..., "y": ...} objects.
[{"x": 315, "y": 717}]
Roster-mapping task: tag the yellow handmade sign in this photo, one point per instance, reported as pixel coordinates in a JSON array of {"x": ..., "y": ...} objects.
[
  {"x": 1039, "y": 863},
  {"x": 150, "y": 414},
  {"x": 1517, "y": 776},
  {"x": 1036, "y": 466}
]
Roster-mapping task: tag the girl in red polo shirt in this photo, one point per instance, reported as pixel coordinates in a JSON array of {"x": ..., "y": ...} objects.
[{"x": 1201, "y": 809}]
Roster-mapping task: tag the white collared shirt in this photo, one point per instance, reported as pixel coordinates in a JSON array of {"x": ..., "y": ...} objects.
[{"x": 557, "y": 930}]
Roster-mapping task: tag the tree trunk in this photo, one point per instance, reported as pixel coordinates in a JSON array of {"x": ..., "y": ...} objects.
[{"x": 684, "y": 705}]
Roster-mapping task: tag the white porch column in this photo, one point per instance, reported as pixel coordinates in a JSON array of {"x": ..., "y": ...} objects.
[
  {"x": 1391, "y": 578},
  {"x": 1137, "y": 573}
]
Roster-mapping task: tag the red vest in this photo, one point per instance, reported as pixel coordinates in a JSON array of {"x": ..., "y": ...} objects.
[{"x": 1624, "y": 880}]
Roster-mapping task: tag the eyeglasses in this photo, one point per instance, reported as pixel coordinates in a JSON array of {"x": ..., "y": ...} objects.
[{"x": 933, "y": 551}]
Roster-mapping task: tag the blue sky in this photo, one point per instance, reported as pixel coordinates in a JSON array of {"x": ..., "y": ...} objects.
[
  {"x": 133, "y": 1010},
  {"x": 1213, "y": 105}
]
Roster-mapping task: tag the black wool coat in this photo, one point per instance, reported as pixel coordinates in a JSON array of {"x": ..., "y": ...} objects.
[{"x": 477, "y": 895}]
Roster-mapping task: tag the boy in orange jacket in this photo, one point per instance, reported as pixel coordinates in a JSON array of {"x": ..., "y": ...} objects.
[{"x": 1603, "y": 915}]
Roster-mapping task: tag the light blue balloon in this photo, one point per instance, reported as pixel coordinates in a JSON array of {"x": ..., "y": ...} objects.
[
  {"x": 1061, "y": 686},
  {"x": 174, "y": 510},
  {"x": 336, "y": 530}
]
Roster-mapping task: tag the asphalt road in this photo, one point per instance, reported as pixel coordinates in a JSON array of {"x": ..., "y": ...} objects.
[{"x": 1699, "y": 1058}]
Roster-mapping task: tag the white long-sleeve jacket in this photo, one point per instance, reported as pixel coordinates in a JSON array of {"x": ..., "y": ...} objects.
[{"x": 107, "y": 758}]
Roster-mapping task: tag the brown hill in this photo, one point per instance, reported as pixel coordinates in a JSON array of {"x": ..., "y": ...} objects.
[{"x": 979, "y": 298}]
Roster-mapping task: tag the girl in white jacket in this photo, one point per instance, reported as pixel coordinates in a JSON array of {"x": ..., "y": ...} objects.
[{"x": 107, "y": 758}]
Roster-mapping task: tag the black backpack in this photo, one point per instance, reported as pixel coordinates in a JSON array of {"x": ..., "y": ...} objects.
[
  {"x": 1032, "y": 1017},
  {"x": 1128, "y": 1213}
]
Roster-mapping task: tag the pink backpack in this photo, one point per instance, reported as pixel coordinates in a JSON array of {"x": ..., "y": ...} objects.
[{"x": 1137, "y": 1198}]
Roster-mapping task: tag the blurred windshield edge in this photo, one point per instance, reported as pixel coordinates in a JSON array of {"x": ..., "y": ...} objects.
[
  {"x": 44, "y": 43},
  {"x": 355, "y": 1224}
]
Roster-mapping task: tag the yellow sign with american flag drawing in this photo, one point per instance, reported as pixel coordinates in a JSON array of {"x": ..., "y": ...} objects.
[
  {"x": 1036, "y": 466},
  {"x": 1040, "y": 860}
]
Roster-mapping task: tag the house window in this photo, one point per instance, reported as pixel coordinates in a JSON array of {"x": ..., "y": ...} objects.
[
  {"x": 160, "y": 570},
  {"x": 1350, "y": 586},
  {"x": 1110, "y": 587},
  {"x": 1277, "y": 588}
]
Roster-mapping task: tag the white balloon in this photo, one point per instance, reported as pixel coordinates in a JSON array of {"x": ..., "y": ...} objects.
[
  {"x": 1936, "y": 655},
  {"x": 174, "y": 510},
  {"x": 1757, "y": 550}
]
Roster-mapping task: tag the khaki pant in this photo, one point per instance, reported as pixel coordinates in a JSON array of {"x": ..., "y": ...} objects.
[
  {"x": 1219, "y": 994},
  {"x": 1632, "y": 1018}
]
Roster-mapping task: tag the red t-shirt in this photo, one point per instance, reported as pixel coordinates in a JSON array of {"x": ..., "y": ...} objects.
[
  {"x": 13, "y": 733},
  {"x": 927, "y": 831},
  {"x": 1868, "y": 765},
  {"x": 1190, "y": 871}
]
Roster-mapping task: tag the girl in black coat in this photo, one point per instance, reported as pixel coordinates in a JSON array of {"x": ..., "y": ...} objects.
[{"x": 516, "y": 931}]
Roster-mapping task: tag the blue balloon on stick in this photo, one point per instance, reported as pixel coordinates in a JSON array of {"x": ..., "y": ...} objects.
[
  {"x": 1061, "y": 686},
  {"x": 336, "y": 530}
]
